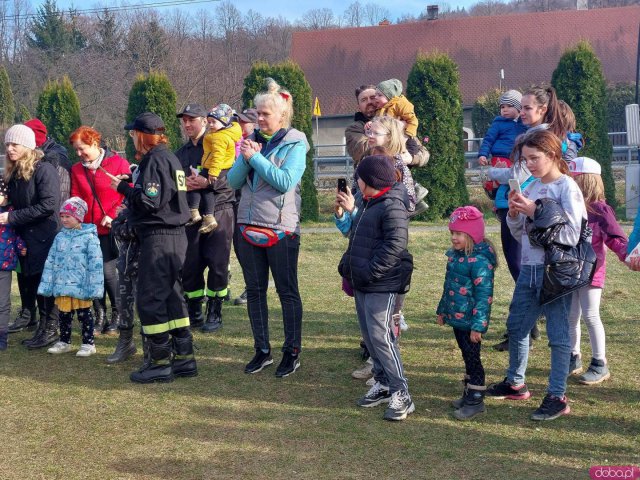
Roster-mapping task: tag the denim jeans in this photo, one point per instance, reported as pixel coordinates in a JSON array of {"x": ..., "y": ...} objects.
[
  {"x": 282, "y": 260},
  {"x": 523, "y": 313}
]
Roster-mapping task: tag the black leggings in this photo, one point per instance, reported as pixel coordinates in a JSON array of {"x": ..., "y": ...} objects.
[
  {"x": 110, "y": 259},
  {"x": 471, "y": 356}
]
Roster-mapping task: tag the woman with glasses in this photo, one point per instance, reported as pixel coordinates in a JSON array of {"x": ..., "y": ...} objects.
[{"x": 158, "y": 211}]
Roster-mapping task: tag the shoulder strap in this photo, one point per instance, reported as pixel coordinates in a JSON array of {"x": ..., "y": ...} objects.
[{"x": 93, "y": 190}]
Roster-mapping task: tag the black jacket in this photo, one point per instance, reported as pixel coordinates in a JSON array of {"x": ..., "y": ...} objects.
[
  {"x": 56, "y": 154},
  {"x": 35, "y": 218},
  {"x": 158, "y": 197},
  {"x": 377, "y": 259},
  {"x": 567, "y": 268}
]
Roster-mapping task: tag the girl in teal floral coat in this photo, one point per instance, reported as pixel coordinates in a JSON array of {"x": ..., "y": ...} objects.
[
  {"x": 73, "y": 274},
  {"x": 466, "y": 301}
]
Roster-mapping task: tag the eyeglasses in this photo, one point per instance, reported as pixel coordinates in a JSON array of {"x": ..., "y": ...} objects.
[{"x": 371, "y": 134}]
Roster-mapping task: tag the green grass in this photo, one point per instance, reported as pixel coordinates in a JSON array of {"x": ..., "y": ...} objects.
[{"x": 71, "y": 418}]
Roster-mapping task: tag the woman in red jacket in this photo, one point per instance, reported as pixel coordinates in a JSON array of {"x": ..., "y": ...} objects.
[{"x": 91, "y": 183}]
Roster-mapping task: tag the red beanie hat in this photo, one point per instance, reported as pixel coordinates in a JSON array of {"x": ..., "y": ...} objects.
[
  {"x": 39, "y": 129},
  {"x": 468, "y": 220}
]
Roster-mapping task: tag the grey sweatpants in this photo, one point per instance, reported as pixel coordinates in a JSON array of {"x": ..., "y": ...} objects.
[
  {"x": 374, "y": 315},
  {"x": 5, "y": 298}
]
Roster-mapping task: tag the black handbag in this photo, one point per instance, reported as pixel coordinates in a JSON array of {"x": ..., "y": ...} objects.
[{"x": 567, "y": 269}]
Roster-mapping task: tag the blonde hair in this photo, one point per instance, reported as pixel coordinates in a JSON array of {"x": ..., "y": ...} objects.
[
  {"x": 23, "y": 167},
  {"x": 397, "y": 143},
  {"x": 592, "y": 188},
  {"x": 279, "y": 99},
  {"x": 470, "y": 244}
]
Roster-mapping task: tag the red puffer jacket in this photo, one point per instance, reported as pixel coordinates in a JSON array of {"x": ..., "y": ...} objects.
[{"x": 109, "y": 198}]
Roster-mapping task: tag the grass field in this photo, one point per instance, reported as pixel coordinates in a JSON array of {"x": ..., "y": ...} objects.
[{"x": 71, "y": 418}]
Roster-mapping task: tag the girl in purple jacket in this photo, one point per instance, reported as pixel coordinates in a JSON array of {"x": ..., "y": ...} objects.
[{"x": 586, "y": 301}]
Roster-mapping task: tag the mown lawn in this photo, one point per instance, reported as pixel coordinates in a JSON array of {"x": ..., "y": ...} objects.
[{"x": 71, "y": 418}]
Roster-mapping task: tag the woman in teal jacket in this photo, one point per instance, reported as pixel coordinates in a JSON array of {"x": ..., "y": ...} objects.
[{"x": 268, "y": 171}]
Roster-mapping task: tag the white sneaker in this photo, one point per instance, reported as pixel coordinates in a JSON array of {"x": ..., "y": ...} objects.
[
  {"x": 371, "y": 382},
  {"x": 364, "y": 371},
  {"x": 403, "y": 325},
  {"x": 86, "y": 350},
  {"x": 60, "y": 347}
]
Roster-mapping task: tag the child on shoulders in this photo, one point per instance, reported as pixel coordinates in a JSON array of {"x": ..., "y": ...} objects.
[
  {"x": 73, "y": 274},
  {"x": 466, "y": 301}
]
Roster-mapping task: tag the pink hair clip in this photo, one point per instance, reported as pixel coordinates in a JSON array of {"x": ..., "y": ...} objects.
[{"x": 285, "y": 95}]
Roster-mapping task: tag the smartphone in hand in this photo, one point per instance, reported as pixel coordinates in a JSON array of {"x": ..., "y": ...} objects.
[
  {"x": 515, "y": 185},
  {"x": 342, "y": 185}
]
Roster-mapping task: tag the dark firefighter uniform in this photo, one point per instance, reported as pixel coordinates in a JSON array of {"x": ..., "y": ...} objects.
[
  {"x": 211, "y": 250},
  {"x": 158, "y": 211}
]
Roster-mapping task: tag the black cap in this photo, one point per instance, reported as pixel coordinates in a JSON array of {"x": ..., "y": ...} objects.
[
  {"x": 193, "y": 110},
  {"x": 248, "y": 115},
  {"x": 147, "y": 122}
]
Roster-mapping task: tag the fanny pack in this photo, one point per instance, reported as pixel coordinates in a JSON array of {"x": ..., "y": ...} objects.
[{"x": 261, "y": 236}]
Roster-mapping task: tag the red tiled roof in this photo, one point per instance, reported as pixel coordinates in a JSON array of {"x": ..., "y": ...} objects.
[{"x": 528, "y": 47}]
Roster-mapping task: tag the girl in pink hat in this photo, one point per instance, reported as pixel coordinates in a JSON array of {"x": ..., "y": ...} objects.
[{"x": 466, "y": 301}]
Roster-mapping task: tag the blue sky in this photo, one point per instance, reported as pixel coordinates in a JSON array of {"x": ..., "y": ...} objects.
[{"x": 290, "y": 9}]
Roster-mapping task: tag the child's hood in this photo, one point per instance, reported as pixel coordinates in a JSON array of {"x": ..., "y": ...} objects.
[
  {"x": 85, "y": 229},
  {"x": 233, "y": 131}
]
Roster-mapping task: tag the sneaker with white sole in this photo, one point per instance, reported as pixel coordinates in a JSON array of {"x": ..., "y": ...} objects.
[
  {"x": 365, "y": 371},
  {"x": 399, "y": 407},
  {"x": 60, "y": 347},
  {"x": 551, "y": 408},
  {"x": 375, "y": 396},
  {"x": 371, "y": 382},
  {"x": 596, "y": 373},
  {"x": 86, "y": 350}
]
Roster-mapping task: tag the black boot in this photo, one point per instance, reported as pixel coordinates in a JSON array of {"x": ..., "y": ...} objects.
[
  {"x": 214, "y": 315},
  {"x": 184, "y": 361},
  {"x": 99, "y": 324},
  {"x": 196, "y": 315},
  {"x": 38, "y": 332},
  {"x": 473, "y": 403},
  {"x": 460, "y": 401},
  {"x": 158, "y": 369},
  {"x": 22, "y": 321},
  {"x": 124, "y": 348},
  {"x": 111, "y": 327},
  {"x": 503, "y": 346},
  {"x": 48, "y": 334},
  {"x": 242, "y": 299}
]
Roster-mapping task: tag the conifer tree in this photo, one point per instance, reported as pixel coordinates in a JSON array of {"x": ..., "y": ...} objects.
[{"x": 7, "y": 105}]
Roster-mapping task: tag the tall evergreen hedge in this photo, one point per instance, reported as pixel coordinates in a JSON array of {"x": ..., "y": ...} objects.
[
  {"x": 433, "y": 87},
  {"x": 290, "y": 77},
  {"x": 154, "y": 93},
  {"x": 579, "y": 81},
  {"x": 485, "y": 109},
  {"x": 7, "y": 105},
  {"x": 59, "y": 109}
]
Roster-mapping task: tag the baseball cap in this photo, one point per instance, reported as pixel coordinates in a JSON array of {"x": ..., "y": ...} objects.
[
  {"x": 580, "y": 165},
  {"x": 193, "y": 110},
  {"x": 248, "y": 115},
  {"x": 147, "y": 122}
]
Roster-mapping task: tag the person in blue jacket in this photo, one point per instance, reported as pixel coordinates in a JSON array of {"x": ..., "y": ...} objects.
[
  {"x": 268, "y": 172},
  {"x": 73, "y": 275}
]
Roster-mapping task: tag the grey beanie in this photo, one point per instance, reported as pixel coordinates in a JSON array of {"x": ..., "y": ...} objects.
[
  {"x": 513, "y": 98},
  {"x": 21, "y": 135},
  {"x": 390, "y": 88},
  {"x": 76, "y": 207}
]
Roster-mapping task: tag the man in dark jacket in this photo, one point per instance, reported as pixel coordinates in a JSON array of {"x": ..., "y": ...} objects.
[
  {"x": 378, "y": 266},
  {"x": 212, "y": 249},
  {"x": 357, "y": 141}
]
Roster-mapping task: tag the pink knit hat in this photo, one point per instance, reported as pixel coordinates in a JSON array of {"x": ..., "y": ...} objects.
[
  {"x": 76, "y": 207},
  {"x": 468, "y": 220}
]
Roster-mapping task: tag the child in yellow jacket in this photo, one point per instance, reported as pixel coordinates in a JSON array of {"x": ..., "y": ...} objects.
[
  {"x": 391, "y": 102},
  {"x": 219, "y": 145}
]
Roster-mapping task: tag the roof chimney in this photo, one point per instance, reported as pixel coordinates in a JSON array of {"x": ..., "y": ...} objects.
[
  {"x": 384, "y": 22},
  {"x": 432, "y": 12}
]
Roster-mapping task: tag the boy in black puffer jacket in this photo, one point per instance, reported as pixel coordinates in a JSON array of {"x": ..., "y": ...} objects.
[{"x": 378, "y": 266}]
